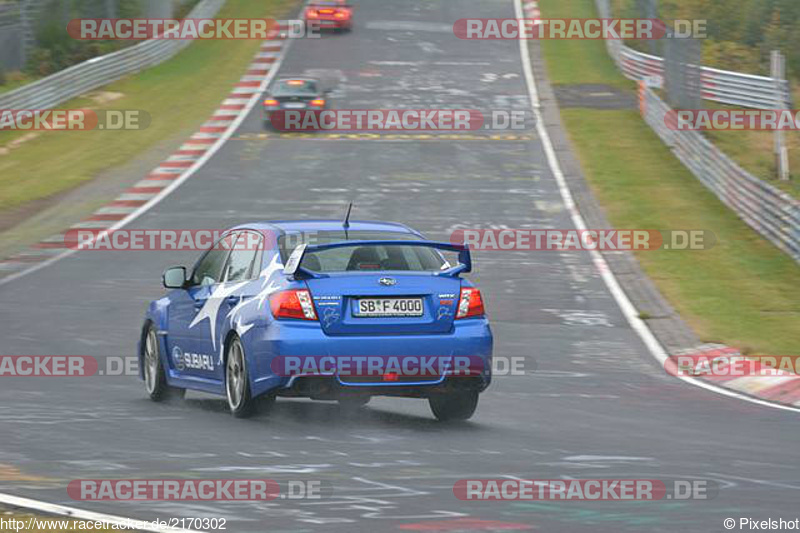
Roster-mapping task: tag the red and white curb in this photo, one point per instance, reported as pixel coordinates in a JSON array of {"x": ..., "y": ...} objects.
[
  {"x": 777, "y": 386},
  {"x": 173, "y": 171}
]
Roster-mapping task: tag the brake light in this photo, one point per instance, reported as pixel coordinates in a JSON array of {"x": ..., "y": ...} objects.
[
  {"x": 340, "y": 15},
  {"x": 470, "y": 304},
  {"x": 312, "y": 14},
  {"x": 293, "y": 304},
  {"x": 270, "y": 102},
  {"x": 319, "y": 102},
  {"x": 327, "y": 11}
]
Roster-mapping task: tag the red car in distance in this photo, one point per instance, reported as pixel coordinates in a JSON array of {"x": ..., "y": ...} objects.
[{"x": 334, "y": 14}]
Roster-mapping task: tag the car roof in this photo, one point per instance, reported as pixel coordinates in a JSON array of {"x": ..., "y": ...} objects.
[{"x": 300, "y": 226}]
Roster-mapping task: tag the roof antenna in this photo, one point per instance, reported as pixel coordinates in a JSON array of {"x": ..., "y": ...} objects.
[{"x": 346, "y": 223}]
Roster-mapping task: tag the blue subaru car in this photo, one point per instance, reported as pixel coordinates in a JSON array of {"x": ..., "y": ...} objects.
[{"x": 273, "y": 292}]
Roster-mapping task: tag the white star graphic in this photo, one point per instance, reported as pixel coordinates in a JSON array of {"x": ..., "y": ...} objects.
[{"x": 211, "y": 307}]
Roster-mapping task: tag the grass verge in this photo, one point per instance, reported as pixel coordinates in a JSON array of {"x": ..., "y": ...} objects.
[
  {"x": 179, "y": 95},
  {"x": 14, "y": 80},
  {"x": 743, "y": 292}
]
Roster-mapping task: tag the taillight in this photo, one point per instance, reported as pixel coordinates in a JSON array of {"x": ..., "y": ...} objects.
[
  {"x": 312, "y": 14},
  {"x": 470, "y": 304},
  {"x": 318, "y": 102},
  {"x": 270, "y": 102},
  {"x": 293, "y": 304}
]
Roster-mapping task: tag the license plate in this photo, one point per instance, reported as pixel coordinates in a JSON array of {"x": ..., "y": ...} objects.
[
  {"x": 380, "y": 307},
  {"x": 294, "y": 106}
]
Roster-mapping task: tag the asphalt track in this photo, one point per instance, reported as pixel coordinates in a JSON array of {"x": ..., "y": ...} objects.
[{"x": 593, "y": 403}]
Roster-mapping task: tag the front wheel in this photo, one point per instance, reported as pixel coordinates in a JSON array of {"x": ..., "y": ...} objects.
[
  {"x": 454, "y": 405},
  {"x": 155, "y": 378},
  {"x": 237, "y": 381}
]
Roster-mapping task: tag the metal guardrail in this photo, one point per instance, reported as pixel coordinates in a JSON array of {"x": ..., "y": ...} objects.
[
  {"x": 771, "y": 212},
  {"x": 723, "y": 86},
  {"x": 96, "y": 72},
  {"x": 768, "y": 210}
]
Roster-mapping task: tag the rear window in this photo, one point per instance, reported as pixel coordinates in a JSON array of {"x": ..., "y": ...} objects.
[
  {"x": 295, "y": 88},
  {"x": 364, "y": 258}
]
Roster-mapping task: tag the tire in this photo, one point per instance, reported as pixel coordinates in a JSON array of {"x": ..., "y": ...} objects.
[
  {"x": 454, "y": 406},
  {"x": 237, "y": 381},
  {"x": 155, "y": 377}
]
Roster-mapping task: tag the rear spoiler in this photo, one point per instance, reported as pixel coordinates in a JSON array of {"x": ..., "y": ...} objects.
[{"x": 292, "y": 267}]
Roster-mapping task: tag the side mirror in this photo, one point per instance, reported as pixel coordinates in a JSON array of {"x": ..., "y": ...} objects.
[{"x": 174, "y": 278}]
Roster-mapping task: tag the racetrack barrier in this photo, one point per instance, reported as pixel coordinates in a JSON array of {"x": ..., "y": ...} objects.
[
  {"x": 102, "y": 70},
  {"x": 771, "y": 212},
  {"x": 723, "y": 86}
]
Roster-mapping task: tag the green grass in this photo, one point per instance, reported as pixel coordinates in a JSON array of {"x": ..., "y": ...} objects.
[
  {"x": 582, "y": 64},
  {"x": 179, "y": 95},
  {"x": 743, "y": 292},
  {"x": 14, "y": 80}
]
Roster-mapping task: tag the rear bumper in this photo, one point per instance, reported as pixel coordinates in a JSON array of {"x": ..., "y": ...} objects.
[
  {"x": 470, "y": 338},
  {"x": 331, "y": 23},
  {"x": 331, "y": 388},
  {"x": 267, "y": 117}
]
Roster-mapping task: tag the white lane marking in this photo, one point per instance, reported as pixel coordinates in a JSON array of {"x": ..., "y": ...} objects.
[
  {"x": 79, "y": 514},
  {"x": 625, "y": 305},
  {"x": 254, "y": 99}
]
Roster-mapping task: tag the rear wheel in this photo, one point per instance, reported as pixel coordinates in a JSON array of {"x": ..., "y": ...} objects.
[
  {"x": 454, "y": 405},
  {"x": 155, "y": 379},
  {"x": 237, "y": 381}
]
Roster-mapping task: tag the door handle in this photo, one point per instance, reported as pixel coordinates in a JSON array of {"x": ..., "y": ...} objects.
[
  {"x": 199, "y": 303},
  {"x": 233, "y": 300}
]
